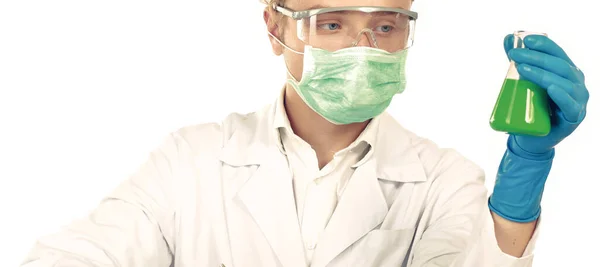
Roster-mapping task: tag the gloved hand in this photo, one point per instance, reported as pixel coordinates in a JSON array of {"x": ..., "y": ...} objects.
[{"x": 526, "y": 164}]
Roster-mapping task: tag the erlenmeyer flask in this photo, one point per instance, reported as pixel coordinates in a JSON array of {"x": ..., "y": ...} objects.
[{"x": 522, "y": 106}]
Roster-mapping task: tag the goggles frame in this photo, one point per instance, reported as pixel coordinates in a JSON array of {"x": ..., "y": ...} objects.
[{"x": 298, "y": 15}]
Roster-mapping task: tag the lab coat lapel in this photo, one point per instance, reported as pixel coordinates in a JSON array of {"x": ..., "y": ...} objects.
[
  {"x": 268, "y": 196},
  {"x": 361, "y": 208}
]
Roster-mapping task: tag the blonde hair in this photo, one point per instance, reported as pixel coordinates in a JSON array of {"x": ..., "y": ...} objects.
[{"x": 277, "y": 19}]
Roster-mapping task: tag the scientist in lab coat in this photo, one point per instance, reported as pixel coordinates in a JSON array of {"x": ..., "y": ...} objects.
[{"x": 324, "y": 176}]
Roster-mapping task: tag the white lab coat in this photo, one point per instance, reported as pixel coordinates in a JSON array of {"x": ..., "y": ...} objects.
[{"x": 217, "y": 194}]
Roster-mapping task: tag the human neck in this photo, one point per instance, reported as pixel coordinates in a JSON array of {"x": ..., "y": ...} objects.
[{"x": 323, "y": 136}]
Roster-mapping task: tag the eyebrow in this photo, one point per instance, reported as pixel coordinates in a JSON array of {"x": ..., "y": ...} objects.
[{"x": 317, "y": 6}]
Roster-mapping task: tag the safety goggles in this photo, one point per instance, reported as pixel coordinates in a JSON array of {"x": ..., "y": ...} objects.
[{"x": 334, "y": 28}]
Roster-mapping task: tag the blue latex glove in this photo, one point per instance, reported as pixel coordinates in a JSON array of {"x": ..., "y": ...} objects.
[{"x": 526, "y": 164}]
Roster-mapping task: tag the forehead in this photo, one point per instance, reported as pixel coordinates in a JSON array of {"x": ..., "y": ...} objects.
[{"x": 308, "y": 4}]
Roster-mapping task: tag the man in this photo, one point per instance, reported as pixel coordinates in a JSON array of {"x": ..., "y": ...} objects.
[{"x": 324, "y": 177}]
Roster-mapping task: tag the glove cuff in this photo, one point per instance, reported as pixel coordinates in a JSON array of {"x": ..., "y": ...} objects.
[
  {"x": 520, "y": 184},
  {"x": 532, "y": 218}
]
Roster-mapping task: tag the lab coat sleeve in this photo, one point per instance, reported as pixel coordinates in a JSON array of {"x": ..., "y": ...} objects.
[
  {"x": 132, "y": 226},
  {"x": 460, "y": 232}
]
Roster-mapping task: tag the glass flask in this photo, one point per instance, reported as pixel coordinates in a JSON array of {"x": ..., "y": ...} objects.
[{"x": 522, "y": 106}]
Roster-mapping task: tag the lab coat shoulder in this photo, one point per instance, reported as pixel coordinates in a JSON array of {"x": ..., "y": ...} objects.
[
  {"x": 454, "y": 182},
  {"x": 199, "y": 136},
  {"x": 450, "y": 172},
  {"x": 192, "y": 140},
  {"x": 439, "y": 161},
  {"x": 440, "y": 164},
  {"x": 212, "y": 140}
]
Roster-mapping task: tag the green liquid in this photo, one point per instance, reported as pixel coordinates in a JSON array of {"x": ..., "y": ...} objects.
[{"x": 522, "y": 108}]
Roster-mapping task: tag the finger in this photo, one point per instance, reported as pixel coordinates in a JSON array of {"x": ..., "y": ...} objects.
[
  {"x": 545, "y": 61},
  {"x": 580, "y": 94},
  {"x": 570, "y": 108},
  {"x": 583, "y": 95},
  {"x": 579, "y": 74},
  {"x": 508, "y": 44},
  {"x": 544, "y": 78},
  {"x": 546, "y": 45}
]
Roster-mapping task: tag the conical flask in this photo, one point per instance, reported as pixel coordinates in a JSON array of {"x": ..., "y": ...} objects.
[{"x": 522, "y": 106}]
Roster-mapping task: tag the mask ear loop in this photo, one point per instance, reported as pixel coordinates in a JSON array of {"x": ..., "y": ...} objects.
[
  {"x": 284, "y": 45},
  {"x": 288, "y": 48}
]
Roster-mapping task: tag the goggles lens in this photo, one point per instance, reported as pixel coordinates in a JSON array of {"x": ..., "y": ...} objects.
[{"x": 390, "y": 31}]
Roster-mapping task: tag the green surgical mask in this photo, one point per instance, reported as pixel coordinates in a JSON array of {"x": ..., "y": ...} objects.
[{"x": 352, "y": 84}]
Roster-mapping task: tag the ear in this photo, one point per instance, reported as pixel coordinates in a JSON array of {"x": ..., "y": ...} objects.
[{"x": 273, "y": 28}]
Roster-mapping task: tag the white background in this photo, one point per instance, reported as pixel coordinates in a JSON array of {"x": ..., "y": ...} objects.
[{"x": 88, "y": 88}]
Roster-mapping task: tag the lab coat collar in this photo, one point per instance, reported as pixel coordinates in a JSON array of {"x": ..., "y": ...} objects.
[
  {"x": 281, "y": 122},
  {"x": 280, "y": 119},
  {"x": 390, "y": 143}
]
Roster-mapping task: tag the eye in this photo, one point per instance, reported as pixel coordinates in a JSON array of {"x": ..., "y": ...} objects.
[
  {"x": 330, "y": 26},
  {"x": 384, "y": 28}
]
